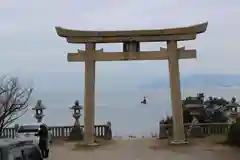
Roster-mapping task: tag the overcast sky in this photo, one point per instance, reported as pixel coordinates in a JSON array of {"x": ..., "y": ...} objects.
[{"x": 29, "y": 44}]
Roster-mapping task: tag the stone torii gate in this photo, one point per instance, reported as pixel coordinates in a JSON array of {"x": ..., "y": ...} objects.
[{"x": 131, "y": 51}]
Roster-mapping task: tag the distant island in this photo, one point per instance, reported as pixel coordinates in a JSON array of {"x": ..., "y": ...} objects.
[{"x": 198, "y": 81}]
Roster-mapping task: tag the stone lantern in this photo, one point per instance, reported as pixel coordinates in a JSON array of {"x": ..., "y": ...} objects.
[
  {"x": 234, "y": 105},
  {"x": 76, "y": 113},
  {"x": 233, "y": 111},
  {"x": 39, "y": 111},
  {"x": 108, "y": 130},
  {"x": 76, "y": 132}
]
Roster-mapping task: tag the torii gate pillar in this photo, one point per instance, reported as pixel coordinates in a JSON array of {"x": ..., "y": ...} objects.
[
  {"x": 131, "y": 51},
  {"x": 89, "y": 93},
  {"x": 173, "y": 65}
]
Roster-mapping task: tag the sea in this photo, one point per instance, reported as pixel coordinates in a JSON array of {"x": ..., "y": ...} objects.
[{"x": 123, "y": 108}]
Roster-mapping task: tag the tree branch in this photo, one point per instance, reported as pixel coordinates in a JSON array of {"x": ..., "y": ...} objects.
[{"x": 13, "y": 101}]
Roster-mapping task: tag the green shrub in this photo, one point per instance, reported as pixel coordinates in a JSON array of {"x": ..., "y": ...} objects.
[{"x": 234, "y": 132}]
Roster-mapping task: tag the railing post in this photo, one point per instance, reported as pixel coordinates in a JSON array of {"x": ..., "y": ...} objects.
[
  {"x": 208, "y": 129},
  {"x": 62, "y": 131}
]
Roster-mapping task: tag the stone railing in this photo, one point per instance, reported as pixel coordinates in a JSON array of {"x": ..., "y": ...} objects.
[
  {"x": 103, "y": 131},
  {"x": 165, "y": 130}
]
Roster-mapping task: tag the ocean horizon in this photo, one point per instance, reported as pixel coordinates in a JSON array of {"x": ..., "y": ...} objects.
[{"x": 123, "y": 108}]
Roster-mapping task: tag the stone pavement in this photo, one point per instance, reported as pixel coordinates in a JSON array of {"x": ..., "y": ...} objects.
[{"x": 140, "y": 149}]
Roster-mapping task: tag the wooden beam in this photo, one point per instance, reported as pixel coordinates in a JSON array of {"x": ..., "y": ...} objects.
[
  {"x": 131, "y": 46},
  {"x": 125, "y": 56},
  {"x": 194, "y": 29},
  {"x": 119, "y": 39},
  {"x": 181, "y": 49},
  {"x": 83, "y": 51}
]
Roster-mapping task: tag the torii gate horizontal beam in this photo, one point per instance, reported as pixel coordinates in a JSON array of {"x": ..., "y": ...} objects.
[
  {"x": 99, "y": 55},
  {"x": 156, "y": 35}
]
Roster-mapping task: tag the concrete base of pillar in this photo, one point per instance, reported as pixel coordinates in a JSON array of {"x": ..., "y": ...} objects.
[
  {"x": 176, "y": 142},
  {"x": 92, "y": 145}
]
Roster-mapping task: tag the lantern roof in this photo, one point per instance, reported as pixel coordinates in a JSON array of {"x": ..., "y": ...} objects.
[
  {"x": 76, "y": 105},
  {"x": 39, "y": 105}
]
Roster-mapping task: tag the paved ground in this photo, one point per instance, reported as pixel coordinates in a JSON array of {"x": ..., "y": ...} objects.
[{"x": 143, "y": 149}]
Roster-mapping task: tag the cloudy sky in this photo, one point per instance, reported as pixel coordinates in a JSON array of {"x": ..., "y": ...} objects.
[{"x": 29, "y": 44}]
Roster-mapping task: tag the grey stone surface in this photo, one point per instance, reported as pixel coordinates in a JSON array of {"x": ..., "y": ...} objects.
[{"x": 139, "y": 150}]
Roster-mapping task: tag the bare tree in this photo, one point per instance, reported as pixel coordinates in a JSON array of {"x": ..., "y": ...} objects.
[{"x": 13, "y": 100}]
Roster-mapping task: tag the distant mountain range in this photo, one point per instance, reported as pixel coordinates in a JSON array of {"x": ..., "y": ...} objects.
[
  {"x": 198, "y": 81},
  {"x": 74, "y": 81}
]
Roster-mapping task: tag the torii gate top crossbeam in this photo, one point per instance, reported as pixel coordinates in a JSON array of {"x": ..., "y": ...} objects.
[{"x": 178, "y": 34}]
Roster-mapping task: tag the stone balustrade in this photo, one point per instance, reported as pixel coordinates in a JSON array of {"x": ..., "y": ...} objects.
[{"x": 165, "y": 130}]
